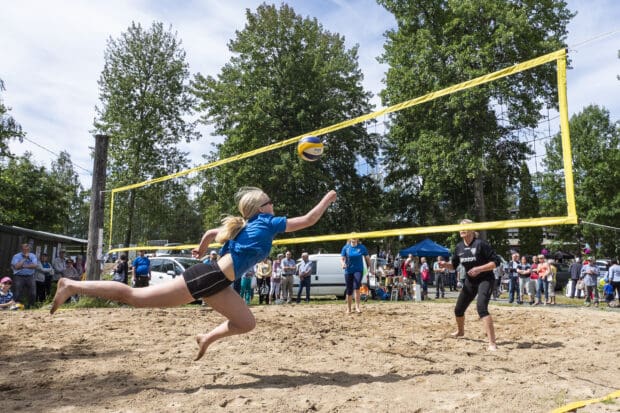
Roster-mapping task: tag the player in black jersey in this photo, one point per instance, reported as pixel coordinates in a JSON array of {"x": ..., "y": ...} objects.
[{"x": 479, "y": 260}]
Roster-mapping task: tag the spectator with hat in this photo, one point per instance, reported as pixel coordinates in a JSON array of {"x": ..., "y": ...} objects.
[
  {"x": 6, "y": 296},
  {"x": 212, "y": 258},
  {"x": 70, "y": 271},
  {"x": 24, "y": 264},
  {"x": 264, "y": 271}
]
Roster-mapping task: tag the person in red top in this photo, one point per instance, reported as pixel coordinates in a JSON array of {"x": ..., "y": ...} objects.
[
  {"x": 407, "y": 268},
  {"x": 534, "y": 284}
]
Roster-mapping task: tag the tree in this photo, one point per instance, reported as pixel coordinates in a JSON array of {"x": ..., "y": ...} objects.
[
  {"x": 595, "y": 146},
  {"x": 289, "y": 76},
  {"x": 33, "y": 197},
  {"x": 145, "y": 102},
  {"x": 9, "y": 128},
  {"x": 76, "y": 214},
  {"x": 460, "y": 155},
  {"x": 530, "y": 239},
  {"x": 30, "y": 197}
]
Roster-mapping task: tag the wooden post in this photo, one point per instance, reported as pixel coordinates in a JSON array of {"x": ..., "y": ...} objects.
[{"x": 94, "y": 251}]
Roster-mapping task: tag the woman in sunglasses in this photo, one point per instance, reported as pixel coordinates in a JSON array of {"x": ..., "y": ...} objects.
[{"x": 246, "y": 240}]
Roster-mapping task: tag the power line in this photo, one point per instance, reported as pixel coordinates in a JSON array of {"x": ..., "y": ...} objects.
[
  {"x": 599, "y": 36},
  {"x": 57, "y": 155},
  {"x": 601, "y": 225}
]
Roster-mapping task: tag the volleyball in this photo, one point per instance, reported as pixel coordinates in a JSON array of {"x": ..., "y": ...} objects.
[{"x": 310, "y": 148}]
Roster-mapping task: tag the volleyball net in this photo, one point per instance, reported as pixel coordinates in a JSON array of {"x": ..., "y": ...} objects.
[{"x": 559, "y": 57}]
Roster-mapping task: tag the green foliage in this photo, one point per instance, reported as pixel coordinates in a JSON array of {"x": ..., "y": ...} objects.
[
  {"x": 9, "y": 128},
  {"x": 30, "y": 197},
  {"x": 530, "y": 239},
  {"x": 145, "y": 101},
  {"x": 460, "y": 155},
  {"x": 75, "y": 217},
  {"x": 33, "y": 197},
  {"x": 289, "y": 76},
  {"x": 595, "y": 146}
]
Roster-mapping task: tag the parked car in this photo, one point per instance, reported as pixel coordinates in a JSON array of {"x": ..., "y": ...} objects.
[
  {"x": 184, "y": 252},
  {"x": 165, "y": 269},
  {"x": 603, "y": 267}
]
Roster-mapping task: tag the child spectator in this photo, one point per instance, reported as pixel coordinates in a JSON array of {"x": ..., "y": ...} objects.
[
  {"x": 6, "y": 296},
  {"x": 608, "y": 292}
]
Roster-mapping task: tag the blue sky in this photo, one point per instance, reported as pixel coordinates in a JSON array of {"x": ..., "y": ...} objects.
[{"x": 53, "y": 56}]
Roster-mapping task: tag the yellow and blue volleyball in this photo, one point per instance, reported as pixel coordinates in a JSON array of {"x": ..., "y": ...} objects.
[{"x": 310, "y": 148}]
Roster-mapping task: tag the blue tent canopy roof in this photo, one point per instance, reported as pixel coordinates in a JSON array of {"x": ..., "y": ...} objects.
[{"x": 425, "y": 248}]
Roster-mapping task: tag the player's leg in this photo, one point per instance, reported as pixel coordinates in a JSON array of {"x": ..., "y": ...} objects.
[
  {"x": 482, "y": 305},
  {"x": 163, "y": 295},
  {"x": 466, "y": 296},
  {"x": 348, "y": 282},
  {"x": 240, "y": 319},
  {"x": 357, "y": 284}
]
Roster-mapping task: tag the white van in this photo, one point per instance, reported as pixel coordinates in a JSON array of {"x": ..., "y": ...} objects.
[{"x": 328, "y": 275}]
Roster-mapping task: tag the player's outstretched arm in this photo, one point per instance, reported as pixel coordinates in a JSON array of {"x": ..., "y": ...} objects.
[
  {"x": 207, "y": 239},
  {"x": 311, "y": 218}
]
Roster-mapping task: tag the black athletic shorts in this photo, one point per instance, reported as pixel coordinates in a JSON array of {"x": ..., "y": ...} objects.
[{"x": 204, "y": 280}]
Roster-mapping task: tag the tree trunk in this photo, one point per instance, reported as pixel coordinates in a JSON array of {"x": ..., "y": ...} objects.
[{"x": 94, "y": 253}]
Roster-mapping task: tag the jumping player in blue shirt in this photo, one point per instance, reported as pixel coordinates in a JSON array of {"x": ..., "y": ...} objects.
[{"x": 246, "y": 240}]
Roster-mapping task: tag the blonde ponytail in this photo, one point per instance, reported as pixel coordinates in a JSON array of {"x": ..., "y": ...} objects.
[
  {"x": 249, "y": 200},
  {"x": 230, "y": 228}
]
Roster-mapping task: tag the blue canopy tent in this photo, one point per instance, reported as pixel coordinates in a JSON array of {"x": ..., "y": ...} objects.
[{"x": 425, "y": 248}]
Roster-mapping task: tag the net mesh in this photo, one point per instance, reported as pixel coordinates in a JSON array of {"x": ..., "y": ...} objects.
[{"x": 173, "y": 212}]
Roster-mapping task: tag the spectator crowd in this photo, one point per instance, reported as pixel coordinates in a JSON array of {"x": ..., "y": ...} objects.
[{"x": 526, "y": 279}]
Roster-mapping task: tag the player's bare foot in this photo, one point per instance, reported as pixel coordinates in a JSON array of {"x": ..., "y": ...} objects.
[
  {"x": 358, "y": 311},
  {"x": 63, "y": 292},
  {"x": 492, "y": 347},
  {"x": 457, "y": 334},
  {"x": 203, "y": 344}
]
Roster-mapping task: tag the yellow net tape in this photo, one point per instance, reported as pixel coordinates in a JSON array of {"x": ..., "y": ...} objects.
[
  {"x": 515, "y": 223},
  {"x": 571, "y": 218},
  {"x": 579, "y": 404}
]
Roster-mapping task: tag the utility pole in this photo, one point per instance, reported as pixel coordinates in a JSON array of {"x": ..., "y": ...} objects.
[{"x": 94, "y": 251}]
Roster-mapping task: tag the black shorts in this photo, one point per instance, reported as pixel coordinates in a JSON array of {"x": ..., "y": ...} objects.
[
  {"x": 141, "y": 281},
  {"x": 204, "y": 280},
  {"x": 481, "y": 288}
]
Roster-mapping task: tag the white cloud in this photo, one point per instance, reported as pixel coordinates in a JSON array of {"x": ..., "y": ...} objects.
[
  {"x": 594, "y": 41},
  {"x": 53, "y": 56}
]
